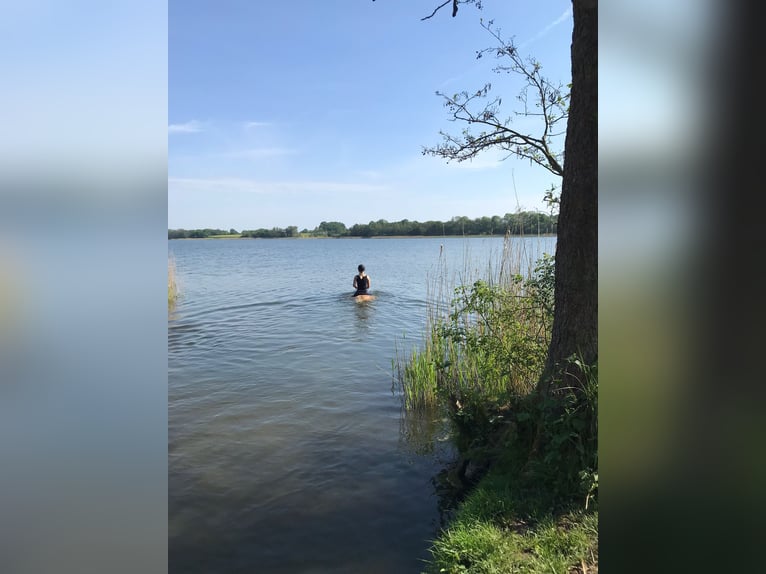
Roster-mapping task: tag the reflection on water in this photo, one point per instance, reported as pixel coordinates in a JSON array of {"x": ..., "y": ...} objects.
[
  {"x": 425, "y": 433},
  {"x": 287, "y": 449},
  {"x": 364, "y": 311}
]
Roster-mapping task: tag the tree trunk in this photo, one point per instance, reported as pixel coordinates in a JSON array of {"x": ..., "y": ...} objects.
[{"x": 575, "y": 322}]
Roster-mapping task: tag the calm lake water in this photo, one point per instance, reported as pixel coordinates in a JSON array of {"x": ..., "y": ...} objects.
[{"x": 287, "y": 449}]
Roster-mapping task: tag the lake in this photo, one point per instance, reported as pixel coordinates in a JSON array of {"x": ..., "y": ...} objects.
[{"x": 287, "y": 449}]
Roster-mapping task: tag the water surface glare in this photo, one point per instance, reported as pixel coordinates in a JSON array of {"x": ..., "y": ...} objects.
[{"x": 286, "y": 452}]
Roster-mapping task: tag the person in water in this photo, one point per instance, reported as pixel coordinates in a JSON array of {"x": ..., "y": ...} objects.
[{"x": 361, "y": 282}]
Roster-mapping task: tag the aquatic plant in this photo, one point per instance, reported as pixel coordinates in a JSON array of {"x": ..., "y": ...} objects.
[
  {"x": 172, "y": 281},
  {"x": 522, "y": 499},
  {"x": 486, "y": 338}
]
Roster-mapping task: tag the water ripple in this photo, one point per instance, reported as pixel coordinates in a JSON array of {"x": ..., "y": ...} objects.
[{"x": 285, "y": 440}]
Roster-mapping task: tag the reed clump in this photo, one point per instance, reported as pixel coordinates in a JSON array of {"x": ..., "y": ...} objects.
[
  {"x": 524, "y": 486},
  {"x": 172, "y": 281},
  {"x": 487, "y": 333}
]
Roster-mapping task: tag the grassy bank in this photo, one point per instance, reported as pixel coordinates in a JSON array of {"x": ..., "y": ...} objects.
[
  {"x": 505, "y": 525},
  {"x": 525, "y": 482},
  {"x": 522, "y": 511}
]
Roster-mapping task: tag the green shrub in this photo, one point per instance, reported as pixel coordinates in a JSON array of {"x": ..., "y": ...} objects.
[{"x": 484, "y": 349}]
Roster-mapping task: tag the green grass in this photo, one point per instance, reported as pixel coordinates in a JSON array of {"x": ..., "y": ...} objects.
[
  {"x": 504, "y": 526},
  {"x": 529, "y": 504},
  {"x": 420, "y": 372},
  {"x": 486, "y": 336},
  {"x": 530, "y": 518}
]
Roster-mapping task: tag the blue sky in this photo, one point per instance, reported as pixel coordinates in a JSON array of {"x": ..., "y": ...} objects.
[{"x": 298, "y": 112}]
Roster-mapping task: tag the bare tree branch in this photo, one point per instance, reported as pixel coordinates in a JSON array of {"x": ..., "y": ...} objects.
[
  {"x": 454, "y": 9},
  {"x": 550, "y": 104}
]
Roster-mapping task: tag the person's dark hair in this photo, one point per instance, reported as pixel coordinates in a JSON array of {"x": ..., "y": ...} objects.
[{"x": 360, "y": 268}]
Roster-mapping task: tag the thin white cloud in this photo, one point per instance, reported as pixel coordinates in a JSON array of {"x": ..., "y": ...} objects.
[
  {"x": 565, "y": 15},
  {"x": 451, "y": 80},
  {"x": 369, "y": 174},
  {"x": 192, "y": 126},
  {"x": 476, "y": 164},
  {"x": 258, "y": 153},
  {"x": 253, "y": 125},
  {"x": 239, "y": 185}
]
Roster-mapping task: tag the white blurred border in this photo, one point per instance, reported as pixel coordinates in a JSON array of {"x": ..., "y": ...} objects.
[{"x": 83, "y": 259}]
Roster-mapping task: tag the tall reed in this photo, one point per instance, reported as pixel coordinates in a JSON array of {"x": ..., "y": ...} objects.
[
  {"x": 486, "y": 333},
  {"x": 172, "y": 281}
]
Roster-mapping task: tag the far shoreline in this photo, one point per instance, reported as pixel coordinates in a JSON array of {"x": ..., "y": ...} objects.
[{"x": 358, "y": 237}]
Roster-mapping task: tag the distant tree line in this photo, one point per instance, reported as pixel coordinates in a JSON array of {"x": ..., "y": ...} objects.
[
  {"x": 291, "y": 231},
  {"x": 198, "y": 233},
  {"x": 520, "y": 223}
]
